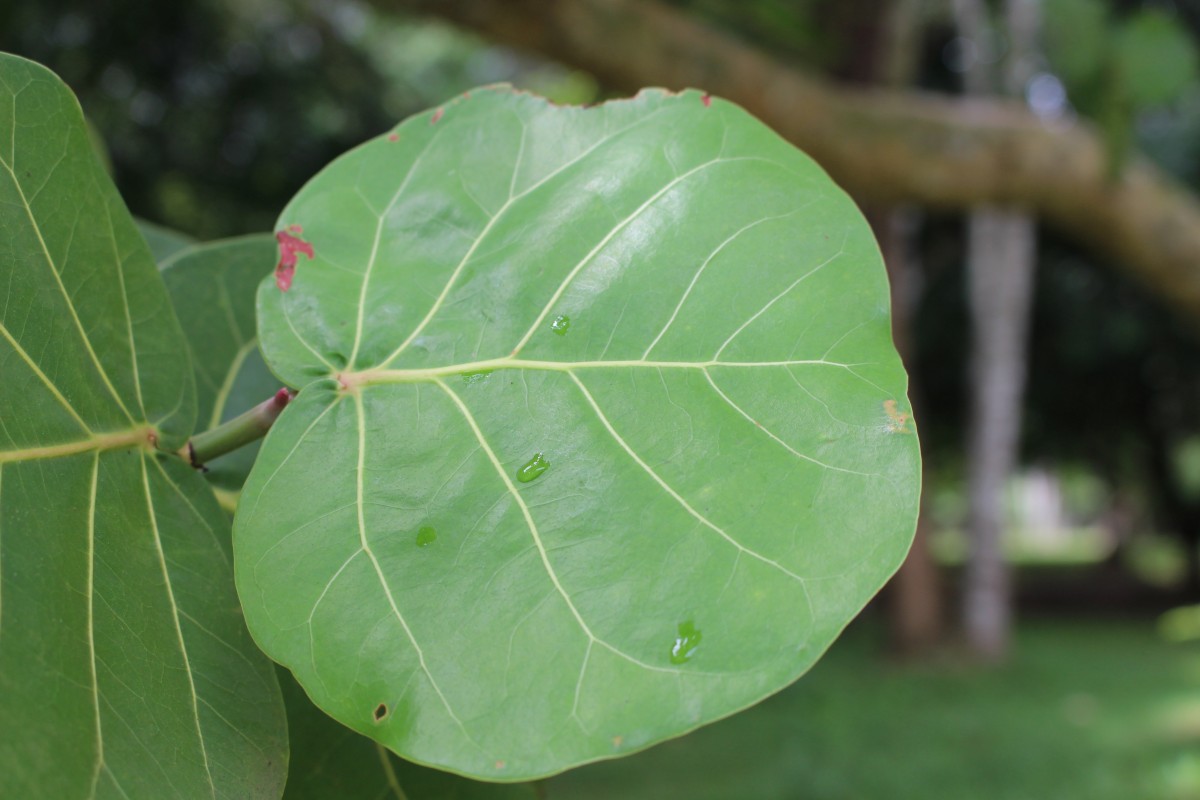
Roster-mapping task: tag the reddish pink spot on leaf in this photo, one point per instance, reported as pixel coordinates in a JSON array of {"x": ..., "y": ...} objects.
[
  {"x": 436, "y": 116},
  {"x": 290, "y": 246},
  {"x": 395, "y": 137},
  {"x": 707, "y": 100}
]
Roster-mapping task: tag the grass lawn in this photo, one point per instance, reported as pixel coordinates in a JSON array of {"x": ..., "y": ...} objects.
[{"x": 1087, "y": 709}]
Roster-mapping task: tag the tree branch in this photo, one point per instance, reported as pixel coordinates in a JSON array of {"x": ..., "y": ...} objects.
[{"x": 882, "y": 146}]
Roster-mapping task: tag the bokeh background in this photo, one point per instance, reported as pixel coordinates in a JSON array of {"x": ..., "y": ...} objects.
[{"x": 1043, "y": 639}]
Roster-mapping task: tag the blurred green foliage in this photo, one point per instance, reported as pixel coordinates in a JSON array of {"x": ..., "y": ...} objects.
[
  {"x": 1075, "y": 33},
  {"x": 1155, "y": 58},
  {"x": 1117, "y": 67},
  {"x": 1180, "y": 624},
  {"x": 216, "y": 111},
  {"x": 793, "y": 29}
]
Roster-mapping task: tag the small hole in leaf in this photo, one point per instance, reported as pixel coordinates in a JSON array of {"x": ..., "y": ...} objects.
[{"x": 381, "y": 711}]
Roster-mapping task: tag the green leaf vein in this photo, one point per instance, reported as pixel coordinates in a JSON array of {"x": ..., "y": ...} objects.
[
  {"x": 87, "y": 343},
  {"x": 162, "y": 559}
]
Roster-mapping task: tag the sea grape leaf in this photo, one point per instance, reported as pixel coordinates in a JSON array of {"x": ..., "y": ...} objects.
[
  {"x": 126, "y": 670},
  {"x": 212, "y": 287},
  {"x": 163, "y": 242},
  {"x": 601, "y": 434},
  {"x": 331, "y": 761}
]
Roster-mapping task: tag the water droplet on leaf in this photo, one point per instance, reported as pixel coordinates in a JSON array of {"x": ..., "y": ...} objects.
[
  {"x": 426, "y": 536},
  {"x": 533, "y": 468},
  {"x": 686, "y": 643},
  {"x": 560, "y": 325}
]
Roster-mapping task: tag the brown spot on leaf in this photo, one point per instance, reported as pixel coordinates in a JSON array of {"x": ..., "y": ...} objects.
[
  {"x": 616, "y": 740},
  {"x": 290, "y": 246},
  {"x": 897, "y": 420},
  {"x": 436, "y": 116},
  {"x": 381, "y": 711},
  {"x": 499, "y": 765},
  {"x": 706, "y": 99},
  {"x": 394, "y": 137}
]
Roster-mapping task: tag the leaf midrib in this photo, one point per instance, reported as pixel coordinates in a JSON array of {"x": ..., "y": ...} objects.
[
  {"x": 103, "y": 441},
  {"x": 353, "y": 380}
]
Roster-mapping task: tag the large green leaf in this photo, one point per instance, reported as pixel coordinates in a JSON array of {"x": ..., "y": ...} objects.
[
  {"x": 601, "y": 437},
  {"x": 164, "y": 243},
  {"x": 212, "y": 287},
  {"x": 125, "y": 667},
  {"x": 331, "y": 761}
]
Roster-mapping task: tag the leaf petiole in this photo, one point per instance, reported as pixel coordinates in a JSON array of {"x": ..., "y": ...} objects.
[{"x": 237, "y": 432}]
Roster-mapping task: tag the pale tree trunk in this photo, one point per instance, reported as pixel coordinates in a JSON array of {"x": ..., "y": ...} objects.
[
  {"x": 1001, "y": 253},
  {"x": 1001, "y": 249}
]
